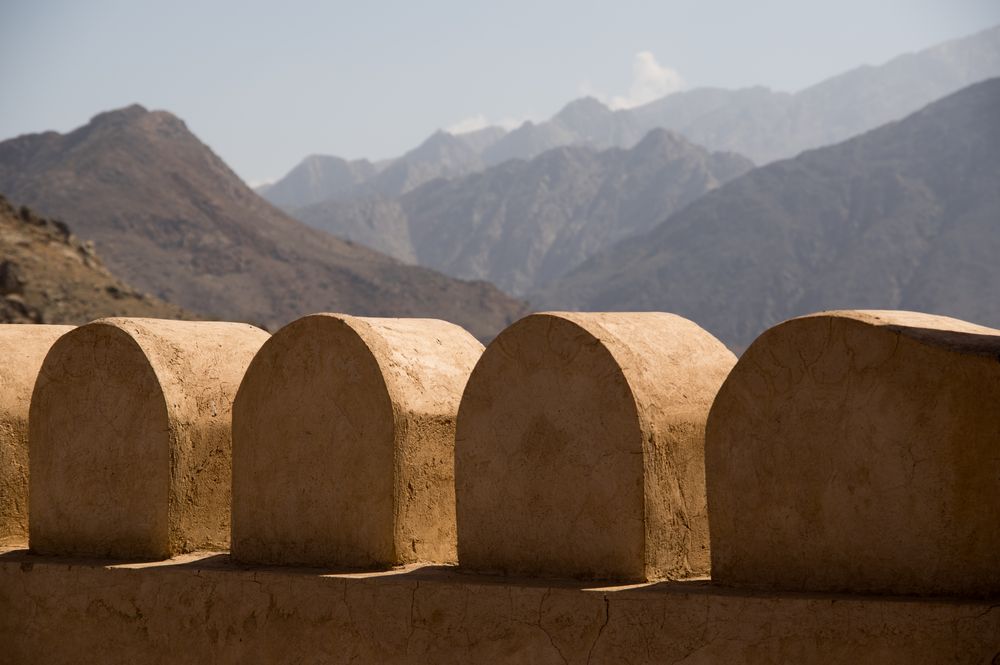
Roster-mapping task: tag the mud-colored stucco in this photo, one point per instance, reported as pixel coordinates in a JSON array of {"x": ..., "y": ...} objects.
[
  {"x": 344, "y": 433},
  {"x": 207, "y": 610},
  {"x": 130, "y": 437},
  {"x": 580, "y": 447},
  {"x": 860, "y": 451},
  {"x": 22, "y": 350}
]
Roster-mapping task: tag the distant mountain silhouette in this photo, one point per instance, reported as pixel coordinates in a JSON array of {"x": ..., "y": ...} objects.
[
  {"x": 317, "y": 178},
  {"x": 762, "y": 124},
  {"x": 766, "y": 125},
  {"x": 584, "y": 121},
  {"x": 481, "y": 139},
  {"x": 521, "y": 223},
  {"x": 906, "y": 216},
  {"x": 321, "y": 177},
  {"x": 48, "y": 275},
  {"x": 171, "y": 218},
  {"x": 440, "y": 156}
]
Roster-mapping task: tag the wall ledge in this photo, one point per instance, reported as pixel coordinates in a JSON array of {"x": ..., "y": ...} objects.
[{"x": 204, "y": 607}]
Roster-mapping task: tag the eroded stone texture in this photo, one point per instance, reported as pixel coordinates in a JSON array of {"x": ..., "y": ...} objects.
[
  {"x": 22, "y": 349},
  {"x": 580, "y": 447},
  {"x": 344, "y": 442},
  {"x": 131, "y": 438},
  {"x": 860, "y": 451}
]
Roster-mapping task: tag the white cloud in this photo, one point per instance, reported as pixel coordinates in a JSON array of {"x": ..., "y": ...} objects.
[
  {"x": 480, "y": 121},
  {"x": 650, "y": 80},
  {"x": 471, "y": 124},
  {"x": 510, "y": 123}
]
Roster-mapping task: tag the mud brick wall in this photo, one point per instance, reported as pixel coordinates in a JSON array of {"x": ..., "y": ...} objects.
[{"x": 589, "y": 488}]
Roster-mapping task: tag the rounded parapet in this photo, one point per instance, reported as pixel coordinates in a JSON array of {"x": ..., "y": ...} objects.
[
  {"x": 344, "y": 442},
  {"x": 130, "y": 437},
  {"x": 580, "y": 447},
  {"x": 859, "y": 451},
  {"x": 22, "y": 349}
]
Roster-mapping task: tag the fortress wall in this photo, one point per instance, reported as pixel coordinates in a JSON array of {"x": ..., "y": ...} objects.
[
  {"x": 860, "y": 451},
  {"x": 22, "y": 349},
  {"x": 580, "y": 447},
  {"x": 343, "y": 442},
  {"x": 130, "y": 437},
  {"x": 846, "y": 455}
]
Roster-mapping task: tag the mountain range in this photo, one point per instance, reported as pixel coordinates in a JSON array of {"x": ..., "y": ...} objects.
[
  {"x": 767, "y": 125},
  {"x": 763, "y": 124},
  {"x": 171, "y": 218},
  {"x": 48, "y": 275},
  {"x": 323, "y": 177},
  {"x": 906, "y": 216},
  {"x": 523, "y": 223}
]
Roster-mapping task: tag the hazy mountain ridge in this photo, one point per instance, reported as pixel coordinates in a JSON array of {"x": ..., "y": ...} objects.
[
  {"x": 760, "y": 123},
  {"x": 169, "y": 216},
  {"x": 48, "y": 275},
  {"x": 767, "y": 125},
  {"x": 522, "y": 223},
  {"x": 906, "y": 216},
  {"x": 442, "y": 155},
  {"x": 317, "y": 178},
  {"x": 320, "y": 178},
  {"x": 585, "y": 121},
  {"x": 481, "y": 140}
]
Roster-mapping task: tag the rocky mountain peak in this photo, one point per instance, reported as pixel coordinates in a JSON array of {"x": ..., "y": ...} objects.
[
  {"x": 171, "y": 217},
  {"x": 438, "y": 143},
  {"x": 126, "y": 114},
  {"x": 585, "y": 108},
  {"x": 661, "y": 140},
  {"x": 134, "y": 120}
]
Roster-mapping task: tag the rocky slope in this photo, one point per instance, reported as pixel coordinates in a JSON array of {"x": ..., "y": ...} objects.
[
  {"x": 521, "y": 224},
  {"x": 47, "y": 275},
  {"x": 171, "y": 218},
  {"x": 904, "y": 217}
]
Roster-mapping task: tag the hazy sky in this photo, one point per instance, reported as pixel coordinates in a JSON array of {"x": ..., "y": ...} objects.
[{"x": 266, "y": 83}]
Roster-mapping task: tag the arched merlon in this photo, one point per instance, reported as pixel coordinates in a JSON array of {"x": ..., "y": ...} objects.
[
  {"x": 130, "y": 435},
  {"x": 344, "y": 433},
  {"x": 580, "y": 447},
  {"x": 22, "y": 349},
  {"x": 859, "y": 451}
]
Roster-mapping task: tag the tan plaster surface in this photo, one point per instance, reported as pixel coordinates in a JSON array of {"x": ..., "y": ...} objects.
[
  {"x": 22, "y": 349},
  {"x": 860, "y": 451},
  {"x": 580, "y": 447},
  {"x": 130, "y": 437},
  {"x": 198, "y": 609},
  {"x": 344, "y": 442}
]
